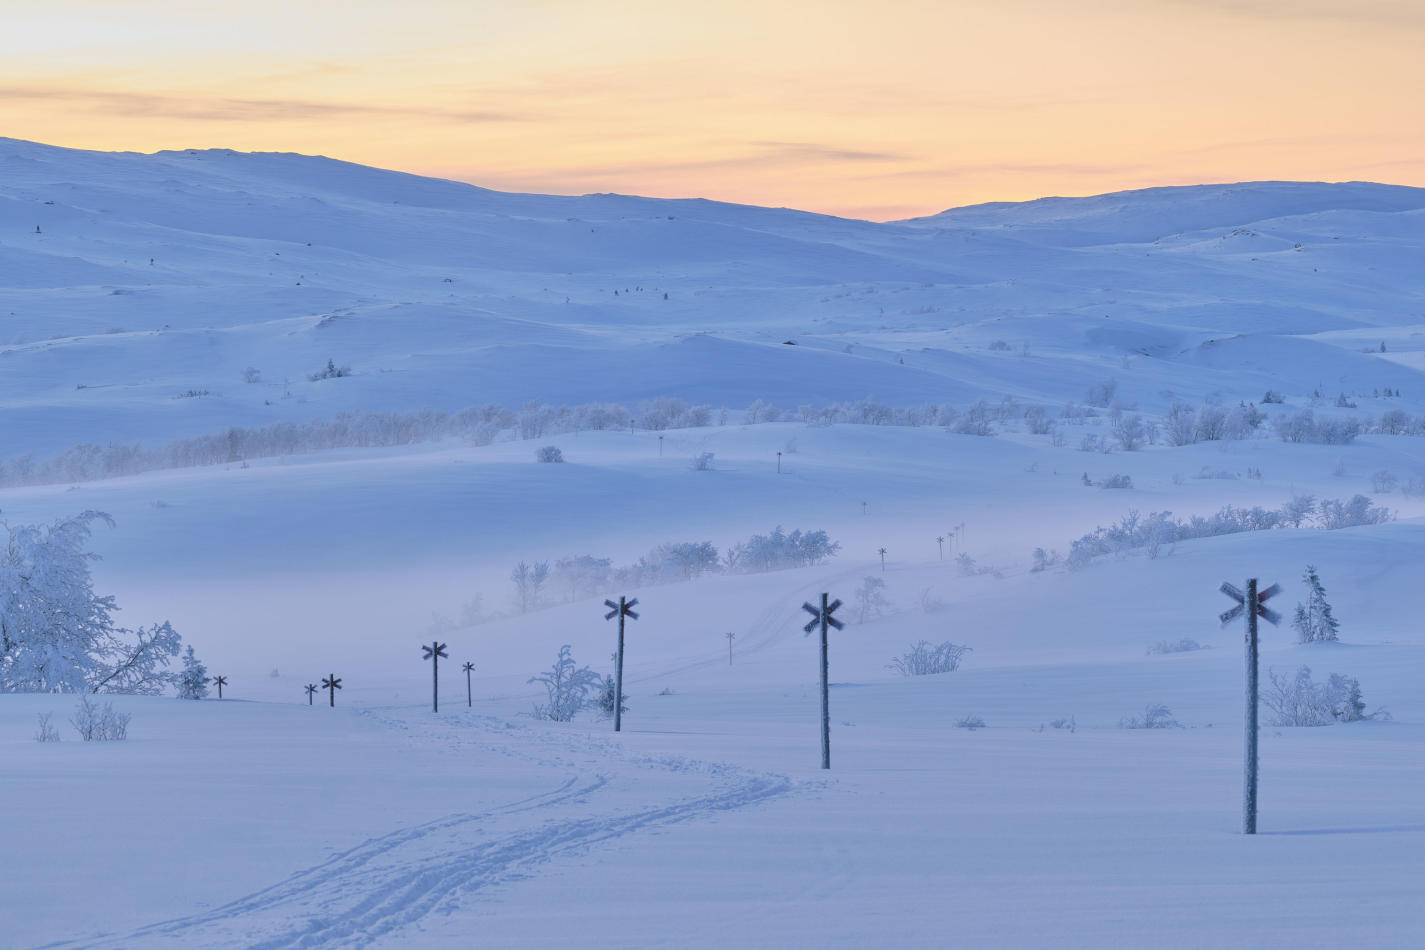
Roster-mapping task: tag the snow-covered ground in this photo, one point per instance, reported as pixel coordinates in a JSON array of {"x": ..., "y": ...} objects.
[{"x": 262, "y": 821}]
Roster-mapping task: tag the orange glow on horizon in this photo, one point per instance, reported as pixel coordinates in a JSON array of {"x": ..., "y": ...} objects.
[{"x": 867, "y": 110}]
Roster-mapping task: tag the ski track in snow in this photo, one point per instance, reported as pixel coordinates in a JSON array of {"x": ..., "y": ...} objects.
[{"x": 395, "y": 880}]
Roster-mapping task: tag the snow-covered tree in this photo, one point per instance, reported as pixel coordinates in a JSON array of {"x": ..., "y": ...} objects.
[
  {"x": 54, "y": 630},
  {"x": 193, "y": 681},
  {"x": 566, "y": 686},
  {"x": 56, "y": 634},
  {"x": 871, "y": 599},
  {"x": 1313, "y": 621}
]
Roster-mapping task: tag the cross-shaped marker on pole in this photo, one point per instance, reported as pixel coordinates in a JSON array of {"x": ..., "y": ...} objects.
[
  {"x": 467, "y": 668},
  {"x": 824, "y": 619},
  {"x": 311, "y": 688},
  {"x": 1251, "y": 604},
  {"x": 331, "y": 684},
  {"x": 221, "y": 681},
  {"x": 730, "y": 636},
  {"x": 434, "y": 652},
  {"x": 622, "y": 609}
]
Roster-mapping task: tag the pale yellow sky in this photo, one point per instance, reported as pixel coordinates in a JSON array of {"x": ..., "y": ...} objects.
[{"x": 877, "y": 110}]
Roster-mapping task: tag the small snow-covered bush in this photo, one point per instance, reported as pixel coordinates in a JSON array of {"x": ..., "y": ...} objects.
[
  {"x": 1334, "y": 513},
  {"x": 46, "y": 732},
  {"x": 330, "y": 371},
  {"x": 971, "y": 723},
  {"x": 1155, "y": 716},
  {"x": 1116, "y": 481},
  {"x": 702, "y": 462},
  {"x": 1298, "y": 701},
  {"x": 548, "y": 453},
  {"x": 1185, "y": 645},
  {"x": 608, "y": 695},
  {"x": 566, "y": 686},
  {"x": 923, "y": 659}
]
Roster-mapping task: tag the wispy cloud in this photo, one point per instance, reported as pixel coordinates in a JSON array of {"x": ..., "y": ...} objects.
[
  {"x": 974, "y": 169},
  {"x": 221, "y": 109},
  {"x": 1398, "y": 13}
]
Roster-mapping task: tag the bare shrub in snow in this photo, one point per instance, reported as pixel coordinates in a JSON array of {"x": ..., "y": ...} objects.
[
  {"x": 1130, "y": 432},
  {"x": 971, "y": 723},
  {"x": 1305, "y": 427},
  {"x": 1382, "y": 481},
  {"x": 1043, "y": 560},
  {"x": 1155, "y": 716},
  {"x": 1101, "y": 394},
  {"x": 925, "y": 659},
  {"x": 45, "y": 730},
  {"x": 567, "y": 688},
  {"x": 252, "y": 375},
  {"x": 1185, "y": 645},
  {"x": 702, "y": 462},
  {"x": 1037, "y": 421},
  {"x": 548, "y": 453},
  {"x": 1069, "y": 725},
  {"x": 1334, "y": 514},
  {"x": 1116, "y": 481},
  {"x": 1413, "y": 487},
  {"x": 101, "y": 724}
]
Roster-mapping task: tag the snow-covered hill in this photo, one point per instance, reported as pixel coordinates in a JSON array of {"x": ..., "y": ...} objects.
[{"x": 127, "y": 281}]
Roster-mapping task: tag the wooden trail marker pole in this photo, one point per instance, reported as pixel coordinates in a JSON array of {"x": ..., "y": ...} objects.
[
  {"x": 311, "y": 688},
  {"x": 730, "y": 637},
  {"x": 940, "y": 540},
  {"x": 220, "y": 681},
  {"x": 434, "y": 652},
  {"x": 622, "y": 609},
  {"x": 824, "y": 619},
  {"x": 467, "y": 668},
  {"x": 1257, "y": 609},
  {"x": 882, "y": 553},
  {"x": 779, "y": 463},
  {"x": 331, "y": 684}
]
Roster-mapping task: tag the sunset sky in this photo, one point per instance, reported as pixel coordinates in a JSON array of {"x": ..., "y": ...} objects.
[{"x": 876, "y": 110}]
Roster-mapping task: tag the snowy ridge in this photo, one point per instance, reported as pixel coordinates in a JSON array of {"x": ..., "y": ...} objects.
[{"x": 154, "y": 276}]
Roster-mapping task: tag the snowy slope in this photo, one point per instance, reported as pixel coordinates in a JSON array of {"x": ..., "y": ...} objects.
[
  {"x": 261, "y": 821},
  {"x": 151, "y": 276}
]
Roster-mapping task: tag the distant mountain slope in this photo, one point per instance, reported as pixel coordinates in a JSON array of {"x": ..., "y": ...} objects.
[{"x": 136, "y": 290}]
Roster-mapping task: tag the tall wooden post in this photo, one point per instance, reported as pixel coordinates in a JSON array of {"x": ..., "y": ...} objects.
[
  {"x": 825, "y": 692},
  {"x": 622, "y": 609},
  {"x": 468, "y": 695},
  {"x": 618, "y": 661},
  {"x": 823, "y": 618},
  {"x": 1249, "y": 777}
]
